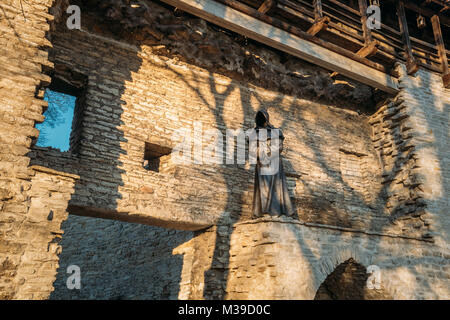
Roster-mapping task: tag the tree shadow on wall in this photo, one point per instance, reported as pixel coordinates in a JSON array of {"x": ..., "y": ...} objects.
[
  {"x": 126, "y": 261},
  {"x": 236, "y": 203},
  {"x": 99, "y": 159},
  {"x": 217, "y": 276},
  {"x": 409, "y": 260}
]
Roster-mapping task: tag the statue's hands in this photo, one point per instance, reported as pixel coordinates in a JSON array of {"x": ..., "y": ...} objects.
[{"x": 270, "y": 151}]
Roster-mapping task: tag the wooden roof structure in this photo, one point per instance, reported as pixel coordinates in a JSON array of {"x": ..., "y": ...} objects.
[{"x": 415, "y": 32}]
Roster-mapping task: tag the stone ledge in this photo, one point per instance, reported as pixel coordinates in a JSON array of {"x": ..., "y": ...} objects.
[
  {"x": 54, "y": 172},
  {"x": 289, "y": 220},
  {"x": 148, "y": 218}
]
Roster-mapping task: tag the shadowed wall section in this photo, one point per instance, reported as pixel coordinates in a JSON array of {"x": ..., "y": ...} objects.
[
  {"x": 349, "y": 282},
  {"x": 145, "y": 96},
  {"x": 119, "y": 260},
  {"x": 369, "y": 184}
]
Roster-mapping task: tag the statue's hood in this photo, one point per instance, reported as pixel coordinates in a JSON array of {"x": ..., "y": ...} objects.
[{"x": 261, "y": 116}]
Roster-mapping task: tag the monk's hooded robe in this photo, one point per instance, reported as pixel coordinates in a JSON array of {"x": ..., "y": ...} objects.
[{"x": 271, "y": 194}]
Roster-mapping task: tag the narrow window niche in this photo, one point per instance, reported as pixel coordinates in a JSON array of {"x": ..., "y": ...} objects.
[
  {"x": 156, "y": 157},
  {"x": 61, "y": 128}
]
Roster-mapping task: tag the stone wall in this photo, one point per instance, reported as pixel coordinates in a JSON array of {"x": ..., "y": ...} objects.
[
  {"x": 367, "y": 187},
  {"x": 41, "y": 231},
  {"x": 427, "y": 103},
  {"x": 27, "y": 254},
  {"x": 410, "y": 248},
  {"x": 138, "y": 95},
  {"x": 411, "y": 138},
  {"x": 281, "y": 258},
  {"x": 119, "y": 260},
  {"x": 392, "y": 138}
]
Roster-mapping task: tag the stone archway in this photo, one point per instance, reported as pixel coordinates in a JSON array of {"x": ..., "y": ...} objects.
[{"x": 348, "y": 281}]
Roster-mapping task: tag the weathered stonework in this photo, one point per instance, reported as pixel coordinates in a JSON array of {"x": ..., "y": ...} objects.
[
  {"x": 294, "y": 259},
  {"x": 27, "y": 260},
  {"x": 110, "y": 155},
  {"x": 48, "y": 198},
  {"x": 368, "y": 185},
  {"x": 133, "y": 259},
  {"x": 349, "y": 282}
]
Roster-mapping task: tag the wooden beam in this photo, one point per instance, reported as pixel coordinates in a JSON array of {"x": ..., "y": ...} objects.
[
  {"x": 366, "y": 31},
  {"x": 370, "y": 47},
  {"x": 302, "y": 34},
  {"x": 365, "y": 52},
  {"x": 320, "y": 22},
  {"x": 277, "y": 38},
  {"x": 266, "y": 6},
  {"x": 411, "y": 64},
  {"x": 440, "y": 2},
  {"x": 368, "y": 50},
  {"x": 446, "y": 80},
  {"x": 318, "y": 13},
  {"x": 344, "y": 6},
  {"x": 441, "y": 49},
  {"x": 318, "y": 26},
  {"x": 425, "y": 11}
]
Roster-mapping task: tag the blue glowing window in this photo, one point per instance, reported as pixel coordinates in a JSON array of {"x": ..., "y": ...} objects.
[{"x": 56, "y": 129}]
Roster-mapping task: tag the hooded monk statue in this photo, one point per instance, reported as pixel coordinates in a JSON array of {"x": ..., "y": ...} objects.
[{"x": 271, "y": 194}]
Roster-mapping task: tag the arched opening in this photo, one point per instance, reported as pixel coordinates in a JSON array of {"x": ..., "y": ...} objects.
[{"x": 349, "y": 282}]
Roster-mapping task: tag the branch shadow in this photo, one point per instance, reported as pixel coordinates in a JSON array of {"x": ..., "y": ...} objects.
[{"x": 216, "y": 276}]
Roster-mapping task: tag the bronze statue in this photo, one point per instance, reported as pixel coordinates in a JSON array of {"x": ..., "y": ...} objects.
[{"x": 271, "y": 194}]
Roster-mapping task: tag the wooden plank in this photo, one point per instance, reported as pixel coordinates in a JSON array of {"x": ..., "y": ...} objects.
[
  {"x": 344, "y": 14},
  {"x": 302, "y": 34},
  {"x": 344, "y": 6},
  {"x": 429, "y": 67},
  {"x": 334, "y": 28},
  {"x": 425, "y": 11},
  {"x": 305, "y": 4},
  {"x": 318, "y": 26},
  {"x": 387, "y": 51},
  {"x": 318, "y": 13},
  {"x": 411, "y": 64},
  {"x": 270, "y": 35},
  {"x": 391, "y": 42},
  {"x": 300, "y": 12},
  {"x": 295, "y": 6},
  {"x": 366, "y": 30},
  {"x": 446, "y": 80},
  {"x": 266, "y": 6},
  {"x": 441, "y": 49},
  {"x": 368, "y": 50}
]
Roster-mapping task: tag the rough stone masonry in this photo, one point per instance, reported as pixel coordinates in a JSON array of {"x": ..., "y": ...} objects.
[{"x": 368, "y": 172}]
